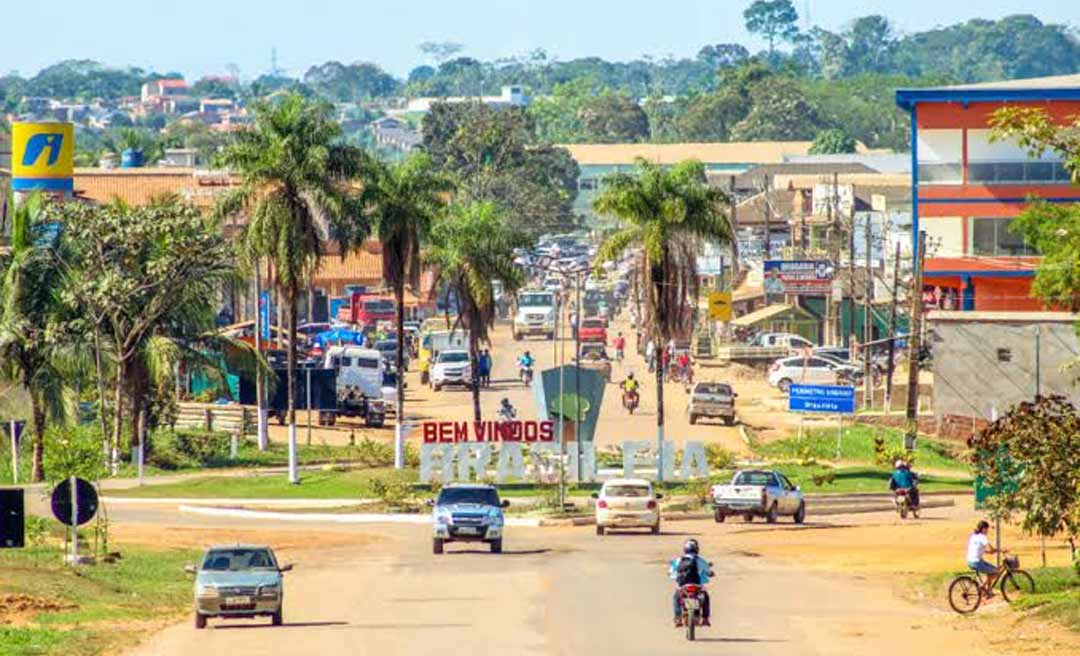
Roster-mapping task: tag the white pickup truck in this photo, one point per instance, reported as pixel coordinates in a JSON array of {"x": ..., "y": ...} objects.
[{"x": 758, "y": 493}]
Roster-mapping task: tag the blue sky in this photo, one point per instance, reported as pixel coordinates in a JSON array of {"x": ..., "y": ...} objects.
[{"x": 197, "y": 37}]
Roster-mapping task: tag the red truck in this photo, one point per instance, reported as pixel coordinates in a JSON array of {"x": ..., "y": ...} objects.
[
  {"x": 368, "y": 309},
  {"x": 593, "y": 329}
]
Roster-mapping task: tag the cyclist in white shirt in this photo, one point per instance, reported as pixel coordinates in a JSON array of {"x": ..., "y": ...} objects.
[{"x": 979, "y": 544}]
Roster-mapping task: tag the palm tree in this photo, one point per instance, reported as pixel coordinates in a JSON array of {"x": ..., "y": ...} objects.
[
  {"x": 665, "y": 213},
  {"x": 470, "y": 249},
  {"x": 29, "y": 290},
  {"x": 406, "y": 199},
  {"x": 296, "y": 178}
]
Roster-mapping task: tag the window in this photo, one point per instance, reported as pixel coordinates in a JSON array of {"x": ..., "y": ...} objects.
[
  {"x": 993, "y": 237},
  {"x": 940, "y": 156},
  {"x": 1006, "y": 162}
]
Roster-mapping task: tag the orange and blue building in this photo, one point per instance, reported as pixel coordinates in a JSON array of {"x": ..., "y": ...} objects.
[{"x": 968, "y": 187}]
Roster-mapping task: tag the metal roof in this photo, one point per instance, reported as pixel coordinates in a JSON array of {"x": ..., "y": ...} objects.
[
  {"x": 1003, "y": 317},
  {"x": 1058, "y": 87}
]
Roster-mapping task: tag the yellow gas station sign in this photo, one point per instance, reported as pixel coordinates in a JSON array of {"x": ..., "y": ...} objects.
[
  {"x": 720, "y": 306},
  {"x": 42, "y": 156}
]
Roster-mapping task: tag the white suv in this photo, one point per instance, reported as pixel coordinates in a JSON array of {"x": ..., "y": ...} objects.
[
  {"x": 815, "y": 370},
  {"x": 451, "y": 368}
]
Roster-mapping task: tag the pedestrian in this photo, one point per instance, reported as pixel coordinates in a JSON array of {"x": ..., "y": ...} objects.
[
  {"x": 573, "y": 324},
  {"x": 484, "y": 368},
  {"x": 650, "y": 354}
]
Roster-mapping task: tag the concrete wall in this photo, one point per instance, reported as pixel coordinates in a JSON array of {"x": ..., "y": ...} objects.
[{"x": 971, "y": 377}]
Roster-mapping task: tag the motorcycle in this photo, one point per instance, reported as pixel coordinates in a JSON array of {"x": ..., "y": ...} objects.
[
  {"x": 693, "y": 600},
  {"x": 526, "y": 375},
  {"x": 507, "y": 413},
  {"x": 903, "y": 504},
  {"x": 630, "y": 400}
]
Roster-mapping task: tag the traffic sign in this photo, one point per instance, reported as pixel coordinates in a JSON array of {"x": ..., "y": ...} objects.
[
  {"x": 85, "y": 495},
  {"x": 829, "y": 399},
  {"x": 720, "y": 306}
]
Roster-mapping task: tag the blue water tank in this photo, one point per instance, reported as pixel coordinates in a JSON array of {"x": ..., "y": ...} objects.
[{"x": 132, "y": 158}]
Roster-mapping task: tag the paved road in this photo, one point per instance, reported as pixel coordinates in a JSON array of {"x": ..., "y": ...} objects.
[{"x": 553, "y": 591}]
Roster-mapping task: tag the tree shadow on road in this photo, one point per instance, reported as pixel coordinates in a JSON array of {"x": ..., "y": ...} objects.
[
  {"x": 505, "y": 552},
  {"x": 737, "y": 640},
  {"x": 283, "y": 625}
]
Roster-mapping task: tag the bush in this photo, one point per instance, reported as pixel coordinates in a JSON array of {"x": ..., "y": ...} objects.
[
  {"x": 393, "y": 489},
  {"x": 885, "y": 455},
  {"x": 73, "y": 451},
  {"x": 37, "y": 530},
  {"x": 202, "y": 447},
  {"x": 718, "y": 457}
]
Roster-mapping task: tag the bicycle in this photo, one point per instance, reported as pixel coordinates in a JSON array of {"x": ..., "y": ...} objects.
[{"x": 966, "y": 592}]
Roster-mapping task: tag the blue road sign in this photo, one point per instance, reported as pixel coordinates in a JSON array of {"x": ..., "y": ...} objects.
[{"x": 830, "y": 399}]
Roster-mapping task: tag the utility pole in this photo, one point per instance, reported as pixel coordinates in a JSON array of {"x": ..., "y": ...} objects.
[
  {"x": 914, "y": 347},
  {"x": 851, "y": 280},
  {"x": 868, "y": 331},
  {"x": 768, "y": 217},
  {"x": 577, "y": 372},
  {"x": 892, "y": 330}
]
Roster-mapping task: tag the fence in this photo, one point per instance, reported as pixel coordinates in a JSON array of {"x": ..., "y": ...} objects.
[{"x": 217, "y": 418}]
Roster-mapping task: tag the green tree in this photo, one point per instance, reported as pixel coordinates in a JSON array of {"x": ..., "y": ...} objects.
[
  {"x": 296, "y": 179},
  {"x": 781, "y": 112},
  {"x": 1030, "y": 456},
  {"x": 711, "y": 117},
  {"x": 29, "y": 352},
  {"x": 406, "y": 200},
  {"x": 492, "y": 155},
  {"x": 469, "y": 249},
  {"x": 774, "y": 20},
  {"x": 832, "y": 142},
  {"x": 130, "y": 269},
  {"x": 613, "y": 118},
  {"x": 1052, "y": 229},
  {"x": 665, "y": 214}
]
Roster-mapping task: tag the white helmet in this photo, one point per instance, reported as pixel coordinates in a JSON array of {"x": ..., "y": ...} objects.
[{"x": 898, "y": 464}]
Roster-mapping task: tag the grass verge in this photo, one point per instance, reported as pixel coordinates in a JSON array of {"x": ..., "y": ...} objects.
[
  {"x": 51, "y": 608},
  {"x": 857, "y": 445},
  {"x": 1056, "y": 597}
]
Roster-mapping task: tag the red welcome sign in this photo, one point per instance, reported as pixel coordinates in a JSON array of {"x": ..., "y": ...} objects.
[{"x": 448, "y": 432}]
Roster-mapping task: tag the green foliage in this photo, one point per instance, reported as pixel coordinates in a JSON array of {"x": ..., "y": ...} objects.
[
  {"x": 74, "y": 451},
  {"x": 775, "y": 20},
  {"x": 37, "y": 530},
  {"x": 781, "y": 111},
  {"x": 350, "y": 82},
  {"x": 1038, "y": 445},
  {"x": 824, "y": 477},
  {"x": 832, "y": 142},
  {"x": 718, "y": 457},
  {"x": 393, "y": 489},
  {"x": 613, "y": 118},
  {"x": 886, "y": 455}
]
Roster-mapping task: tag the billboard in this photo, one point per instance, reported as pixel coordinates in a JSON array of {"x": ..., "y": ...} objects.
[
  {"x": 42, "y": 156},
  {"x": 831, "y": 399},
  {"x": 799, "y": 277}
]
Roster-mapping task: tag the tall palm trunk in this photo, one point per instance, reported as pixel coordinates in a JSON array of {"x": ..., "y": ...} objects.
[
  {"x": 399, "y": 409},
  {"x": 118, "y": 418},
  {"x": 474, "y": 360},
  {"x": 37, "y": 411},
  {"x": 293, "y": 295},
  {"x": 100, "y": 373}
]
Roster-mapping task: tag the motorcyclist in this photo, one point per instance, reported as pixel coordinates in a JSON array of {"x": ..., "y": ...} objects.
[
  {"x": 629, "y": 387},
  {"x": 697, "y": 568},
  {"x": 905, "y": 479},
  {"x": 507, "y": 411},
  {"x": 525, "y": 363}
]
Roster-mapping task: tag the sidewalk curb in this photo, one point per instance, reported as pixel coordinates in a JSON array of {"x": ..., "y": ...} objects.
[{"x": 233, "y": 501}]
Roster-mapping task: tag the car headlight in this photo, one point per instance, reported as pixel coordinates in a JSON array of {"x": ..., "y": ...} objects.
[
  {"x": 269, "y": 590},
  {"x": 495, "y": 518},
  {"x": 443, "y": 517},
  {"x": 206, "y": 591}
]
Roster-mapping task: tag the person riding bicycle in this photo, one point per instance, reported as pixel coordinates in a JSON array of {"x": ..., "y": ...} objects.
[
  {"x": 979, "y": 544},
  {"x": 690, "y": 569},
  {"x": 507, "y": 411},
  {"x": 905, "y": 479}
]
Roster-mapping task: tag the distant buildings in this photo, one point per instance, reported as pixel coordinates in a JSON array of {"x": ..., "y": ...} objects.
[
  {"x": 511, "y": 96},
  {"x": 967, "y": 187}
]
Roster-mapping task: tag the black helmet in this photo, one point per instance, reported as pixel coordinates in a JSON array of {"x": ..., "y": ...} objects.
[
  {"x": 630, "y": 375},
  {"x": 506, "y": 401},
  {"x": 691, "y": 547}
]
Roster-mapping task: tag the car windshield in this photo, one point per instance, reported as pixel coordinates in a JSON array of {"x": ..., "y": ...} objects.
[
  {"x": 626, "y": 491},
  {"x": 381, "y": 306},
  {"x": 454, "y": 356},
  {"x": 593, "y": 323},
  {"x": 387, "y": 346},
  {"x": 713, "y": 389},
  {"x": 479, "y": 495},
  {"x": 535, "y": 300},
  {"x": 367, "y": 363},
  {"x": 236, "y": 560},
  {"x": 755, "y": 478}
]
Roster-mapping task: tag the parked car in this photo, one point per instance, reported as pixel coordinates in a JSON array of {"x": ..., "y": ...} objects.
[
  {"x": 468, "y": 513},
  {"x": 712, "y": 400},
  {"x": 758, "y": 493},
  {"x": 451, "y": 368},
  {"x": 811, "y": 371},
  {"x": 238, "y": 581},
  {"x": 593, "y": 329},
  {"x": 627, "y": 503},
  {"x": 786, "y": 340}
]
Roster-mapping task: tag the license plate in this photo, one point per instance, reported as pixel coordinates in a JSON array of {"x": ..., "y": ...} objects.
[
  {"x": 468, "y": 530},
  {"x": 237, "y": 601}
]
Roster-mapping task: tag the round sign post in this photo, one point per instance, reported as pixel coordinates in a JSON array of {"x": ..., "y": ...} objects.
[{"x": 74, "y": 502}]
